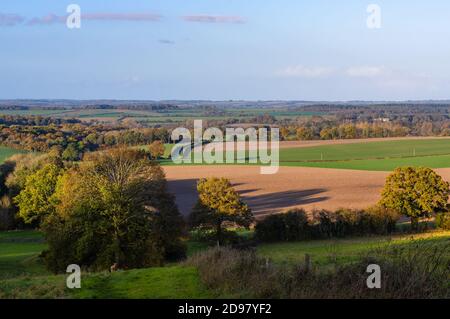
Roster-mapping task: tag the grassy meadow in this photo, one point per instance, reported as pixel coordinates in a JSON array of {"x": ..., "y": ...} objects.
[{"x": 22, "y": 274}]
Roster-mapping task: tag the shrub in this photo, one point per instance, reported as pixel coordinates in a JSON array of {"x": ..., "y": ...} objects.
[
  {"x": 380, "y": 220},
  {"x": 290, "y": 226},
  {"x": 232, "y": 272},
  {"x": 443, "y": 221}
]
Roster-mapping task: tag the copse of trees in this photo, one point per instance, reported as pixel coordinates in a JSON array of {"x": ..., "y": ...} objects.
[
  {"x": 14, "y": 175},
  {"x": 416, "y": 193},
  {"x": 113, "y": 209},
  {"x": 74, "y": 139},
  {"x": 219, "y": 204}
]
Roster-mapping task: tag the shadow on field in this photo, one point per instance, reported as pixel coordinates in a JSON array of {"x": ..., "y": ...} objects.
[
  {"x": 186, "y": 197},
  {"x": 281, "y": 201}
]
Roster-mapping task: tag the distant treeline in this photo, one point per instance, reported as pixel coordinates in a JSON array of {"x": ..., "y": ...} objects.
[{"x": 74, "y": 139}]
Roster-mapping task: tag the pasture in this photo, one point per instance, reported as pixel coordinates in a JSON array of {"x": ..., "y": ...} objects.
[{"x": 23, "y": 275}]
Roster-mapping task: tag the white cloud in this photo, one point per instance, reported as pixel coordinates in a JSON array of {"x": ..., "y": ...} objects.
[
  {"x": 214, "y": 19},
  {"x": 366, "y": 71},
  {"x": 302, "y": 71}
]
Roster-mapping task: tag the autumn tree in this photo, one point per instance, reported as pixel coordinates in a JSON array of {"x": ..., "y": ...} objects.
[
  {"x": 218, "y": 203},
  {"x": 156, "y": 149},
  {"x": 415, "y": 192},
  {"x": 113, "y": 209},
  {"x": 35, "y": 200}
]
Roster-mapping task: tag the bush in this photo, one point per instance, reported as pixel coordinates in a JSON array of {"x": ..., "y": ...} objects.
[
  {"x": 380, "y": 220},
  {"x": 443, "y": 221},
  {"x": 290, "y": 226},
  {"x": 233, "y": 272},
  {"x": 229, "y": 237}
]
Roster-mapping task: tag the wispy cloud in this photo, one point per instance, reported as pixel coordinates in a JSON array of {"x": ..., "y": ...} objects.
[
  {"x": 165, "y": 41},
  {"x": 214, "y": 19},
  {"x": 99, "y": 16},
  {"x": 302, "y": 71},
  {"x": 46, "y": 20},
  {"x": 9, "y": 20},
  {"x": 149, "y": 17},
  {"x": 366, "y": 71}
]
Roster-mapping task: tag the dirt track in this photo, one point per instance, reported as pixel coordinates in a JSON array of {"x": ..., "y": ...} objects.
[{"x": 291, "y": 187}]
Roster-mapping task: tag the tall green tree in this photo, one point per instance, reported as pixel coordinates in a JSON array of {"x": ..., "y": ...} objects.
[
  {"x": 415, "y": 192},
  {"x": 218, "y": 203}
]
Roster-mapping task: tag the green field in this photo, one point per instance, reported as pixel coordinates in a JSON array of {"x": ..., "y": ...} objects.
[
  {"x": 22, "y": 274},
  {"x": 375, "y": 156},
  {"x": 371, "y": 156},
  {"x": 6, "y": 152}
]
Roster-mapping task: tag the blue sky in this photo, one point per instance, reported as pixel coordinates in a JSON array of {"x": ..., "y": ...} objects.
[{"x": 225, "y": 49}]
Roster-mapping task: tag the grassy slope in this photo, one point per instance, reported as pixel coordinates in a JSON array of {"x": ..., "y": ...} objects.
[
  {"x": 22, "y": 274},
  {"x": 327, "y": 252},
  {"x": 175, "y": 282}
]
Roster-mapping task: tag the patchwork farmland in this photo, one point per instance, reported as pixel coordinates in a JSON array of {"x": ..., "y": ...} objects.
[{"x": 325, "y": 175}]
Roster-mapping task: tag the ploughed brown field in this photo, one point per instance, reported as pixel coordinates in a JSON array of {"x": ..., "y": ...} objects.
[{"x": 291, "y": 187}]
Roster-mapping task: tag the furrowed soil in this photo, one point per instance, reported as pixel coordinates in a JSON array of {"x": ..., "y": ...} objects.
[{"x": 292, "y": 187}]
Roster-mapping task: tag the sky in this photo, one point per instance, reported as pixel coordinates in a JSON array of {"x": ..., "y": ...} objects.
[{"x": 225, "y": 50}]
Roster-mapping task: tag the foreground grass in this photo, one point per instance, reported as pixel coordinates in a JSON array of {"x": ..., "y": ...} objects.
[
  {"x": 23, "y": 275},
  {"x": 19, "y": 254},
  {"x": 175, "y": 282}
]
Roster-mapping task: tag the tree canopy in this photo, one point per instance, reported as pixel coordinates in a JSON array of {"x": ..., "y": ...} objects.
[
  {"x": 415, "y": 192},
  {"x": 113, "y": 208},
  {"x": 218, "y": 202},
  {"x": 35, "y": 200}
]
